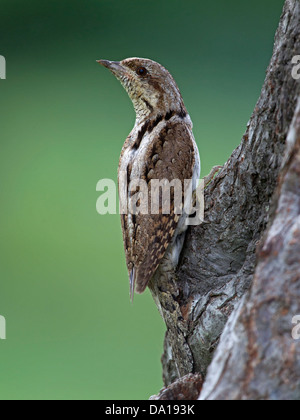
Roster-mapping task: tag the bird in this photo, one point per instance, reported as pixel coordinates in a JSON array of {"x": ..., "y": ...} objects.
[{"x": 161, "y": 146}]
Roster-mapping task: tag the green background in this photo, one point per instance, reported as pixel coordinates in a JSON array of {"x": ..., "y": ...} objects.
[{"x": 71, "y": 331}]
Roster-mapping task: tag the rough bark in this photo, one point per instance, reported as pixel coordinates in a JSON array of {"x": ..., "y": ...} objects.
[
  {"x": 257, "y": 357},
  {"x": 186, "y": 388},
  {"x": 221, "y": 273}
]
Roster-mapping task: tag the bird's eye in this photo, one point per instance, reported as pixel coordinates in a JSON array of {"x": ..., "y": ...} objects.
[{"x": 141, "y": 71}]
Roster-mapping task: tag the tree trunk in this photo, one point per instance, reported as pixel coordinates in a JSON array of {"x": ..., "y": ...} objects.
[{"x": 240, "y": 269}]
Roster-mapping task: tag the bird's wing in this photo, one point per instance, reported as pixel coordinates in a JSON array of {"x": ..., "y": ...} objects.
[{"x": 147, "y": 236}]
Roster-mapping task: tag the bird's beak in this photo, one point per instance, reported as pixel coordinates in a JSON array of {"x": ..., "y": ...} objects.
[
  {"x": 113, "y": 66},
  {"x": 121, "y": 72}
]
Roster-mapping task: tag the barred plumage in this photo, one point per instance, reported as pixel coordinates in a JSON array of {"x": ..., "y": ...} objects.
[{"x": 161, "y": 146}]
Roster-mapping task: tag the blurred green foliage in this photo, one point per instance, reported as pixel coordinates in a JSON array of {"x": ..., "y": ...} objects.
[{"x": 71, "y": 331}]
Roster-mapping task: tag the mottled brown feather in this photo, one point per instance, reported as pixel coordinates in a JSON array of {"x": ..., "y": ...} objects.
[{"x": 153, "y": 233}]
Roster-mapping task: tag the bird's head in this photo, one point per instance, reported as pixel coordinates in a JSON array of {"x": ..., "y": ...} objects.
[{"x": 149, "y": 85}]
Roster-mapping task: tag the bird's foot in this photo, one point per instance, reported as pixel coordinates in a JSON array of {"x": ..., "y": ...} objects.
[{"x": 210, "y": 177}]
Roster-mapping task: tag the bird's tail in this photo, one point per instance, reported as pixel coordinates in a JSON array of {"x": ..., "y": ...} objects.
[{"x": 132, "y": 284}]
